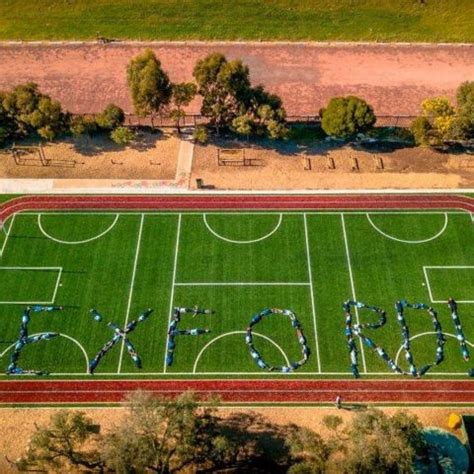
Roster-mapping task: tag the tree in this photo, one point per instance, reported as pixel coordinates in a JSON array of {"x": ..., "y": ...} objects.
[
  {"x": 112, "y": 117},
  {"x": 437, "y": 123},
  {"x": 183, "y": 94},
  {"x": 379, "y": 443},
  {"x": 59, "y": 446},
  {"x": 33, "y": 111},
  {"x": 243, "y": 125},
  {"x": 149, "y": 85},
  {"x": 421, "y": 129},
  {"x": 308, "y": 451},
  {"x": 224, "y": 86},
  {"x": 83, "y": 125},
  {"x": 122, "y": 135},
  {"x": 8, "y": 127},
  {"x": 200, "y": 135},
  {"x": 162, "y": 436},
  {"x": 345, "y": 117},
  {"x": 465, "y": 112}
]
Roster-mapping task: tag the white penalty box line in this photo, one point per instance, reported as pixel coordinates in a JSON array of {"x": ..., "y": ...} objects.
[
  {"x": 426, "y": 270},
  {"x": 39, "y": 269},
  {"x": 243, "y": 283}
]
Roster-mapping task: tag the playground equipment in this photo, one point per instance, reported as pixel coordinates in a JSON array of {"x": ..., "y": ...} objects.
[
  {"x": 22, "y": 155},
  {"x": 120, "y": 334},
  {"x": 173, "y": 330},
  {"x": 232, "y": 157},
  {"x": 23, "y": 340},
  {"x": 299, "y": 333},
  {"x": 400, "y": 306}
]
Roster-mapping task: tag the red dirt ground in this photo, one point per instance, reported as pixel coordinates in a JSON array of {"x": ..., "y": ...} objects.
[
  {"x": 252, "y": 391},
  {"x": 394, "y": 78}
]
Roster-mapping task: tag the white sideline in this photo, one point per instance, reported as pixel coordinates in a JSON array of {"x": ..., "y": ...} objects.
[
  {"x": 170, "y": 311},
  {"x": 132, "y": 285},
  {"x": 351, "y": 277},
  {"x": 311, "y": 289}
]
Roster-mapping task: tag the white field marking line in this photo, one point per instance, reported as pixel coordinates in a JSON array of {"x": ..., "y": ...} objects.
[
  {"x": 7, "y": 235},
  {"x": 351, "y": 277},
  {"x": 225, "y": 239},
  {"x": 175, "y": 264},
  {"x": 242, "y": 283},
  {"x": 310, "y": 274},
  {"x": 427, "y": 334},
  {"x": 446, "y": 267},
  {"x": 77, "y": 242},
  {"x": 238, "y": 332},
  {"x": 58, "y": 279},
  {"x": 81, "y": 347},
  {"x": 230, "y": 211},
  {"x": 396, "y": 239},
  {"x": 301, "y": 376},
  {"x": 132, "y": 285},
  {"x": 257, "y": 390}
]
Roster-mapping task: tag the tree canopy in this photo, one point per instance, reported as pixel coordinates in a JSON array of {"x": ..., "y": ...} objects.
[
  {"x": 345, "y": 117},
  {"x": 149, "y": 84},
  {"x": 230, "y": 100},
  {"x": 26, "y": 110}
]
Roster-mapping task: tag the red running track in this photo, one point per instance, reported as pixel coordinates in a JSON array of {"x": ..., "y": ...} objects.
[{"x": 240, "y": 391}]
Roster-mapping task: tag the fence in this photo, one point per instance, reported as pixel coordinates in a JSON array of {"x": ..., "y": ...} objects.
[{"x": 193, "y": 120}]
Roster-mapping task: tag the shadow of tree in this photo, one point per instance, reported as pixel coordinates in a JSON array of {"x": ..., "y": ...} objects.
[{"x": 260, "y": 445}]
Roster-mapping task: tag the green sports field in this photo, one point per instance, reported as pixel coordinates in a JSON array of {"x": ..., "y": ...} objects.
[
  {"x": 235, "y": 264},
  {"x": 315, "y": 20}
]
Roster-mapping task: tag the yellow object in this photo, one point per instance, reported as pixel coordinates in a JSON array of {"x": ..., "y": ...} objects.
[{"x": 454, "y": 421}]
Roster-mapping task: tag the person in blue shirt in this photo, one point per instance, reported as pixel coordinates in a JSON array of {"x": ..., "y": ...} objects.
[
  {"x": 143, "y": 316},
  {"x": 96, "y": 315},
  {"x": 439, "y": 355},
  {"x": 465, "y": 352},
  {"x": 355, "y": 371},
  {"x": 453, "y": 306},
  {"x": 413, "y": 370}
]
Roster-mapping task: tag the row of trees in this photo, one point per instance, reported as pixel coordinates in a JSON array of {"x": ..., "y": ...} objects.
[
  {"x": 25, "y": 111},
  {"x": 442, "y": 122},
  {"x": 228, "y": 98},
  {"x": 181, "y": 436}
]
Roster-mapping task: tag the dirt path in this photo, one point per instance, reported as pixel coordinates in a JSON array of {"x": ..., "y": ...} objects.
[
  {"x": 393, "y": 78},
  {"x": 18, "y": 424}
]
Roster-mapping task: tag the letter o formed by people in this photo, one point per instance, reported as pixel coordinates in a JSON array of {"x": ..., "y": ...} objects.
[{"x": 267, "y": 312}]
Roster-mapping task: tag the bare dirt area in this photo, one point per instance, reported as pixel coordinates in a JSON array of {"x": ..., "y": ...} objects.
[
  {"x": 153, "y": 156},
  {"x": 285, "y": 167},
  {"x": 18, "y": 424},
  {"x": 394, "y": 78}
]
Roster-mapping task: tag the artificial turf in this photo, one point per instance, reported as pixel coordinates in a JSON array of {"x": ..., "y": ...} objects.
[
  {"x": 317, "y": 20},
  {"x": 308, "y": 263}
]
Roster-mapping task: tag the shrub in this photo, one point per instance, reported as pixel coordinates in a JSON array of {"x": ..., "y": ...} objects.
[
  {"x": 421, "y": 129},
  {"x": 122, "y": 135},
  {"x": 112, "y": 117},
  {"x": 345, "y": 117},
  {"x": 201, "y": 135}
]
